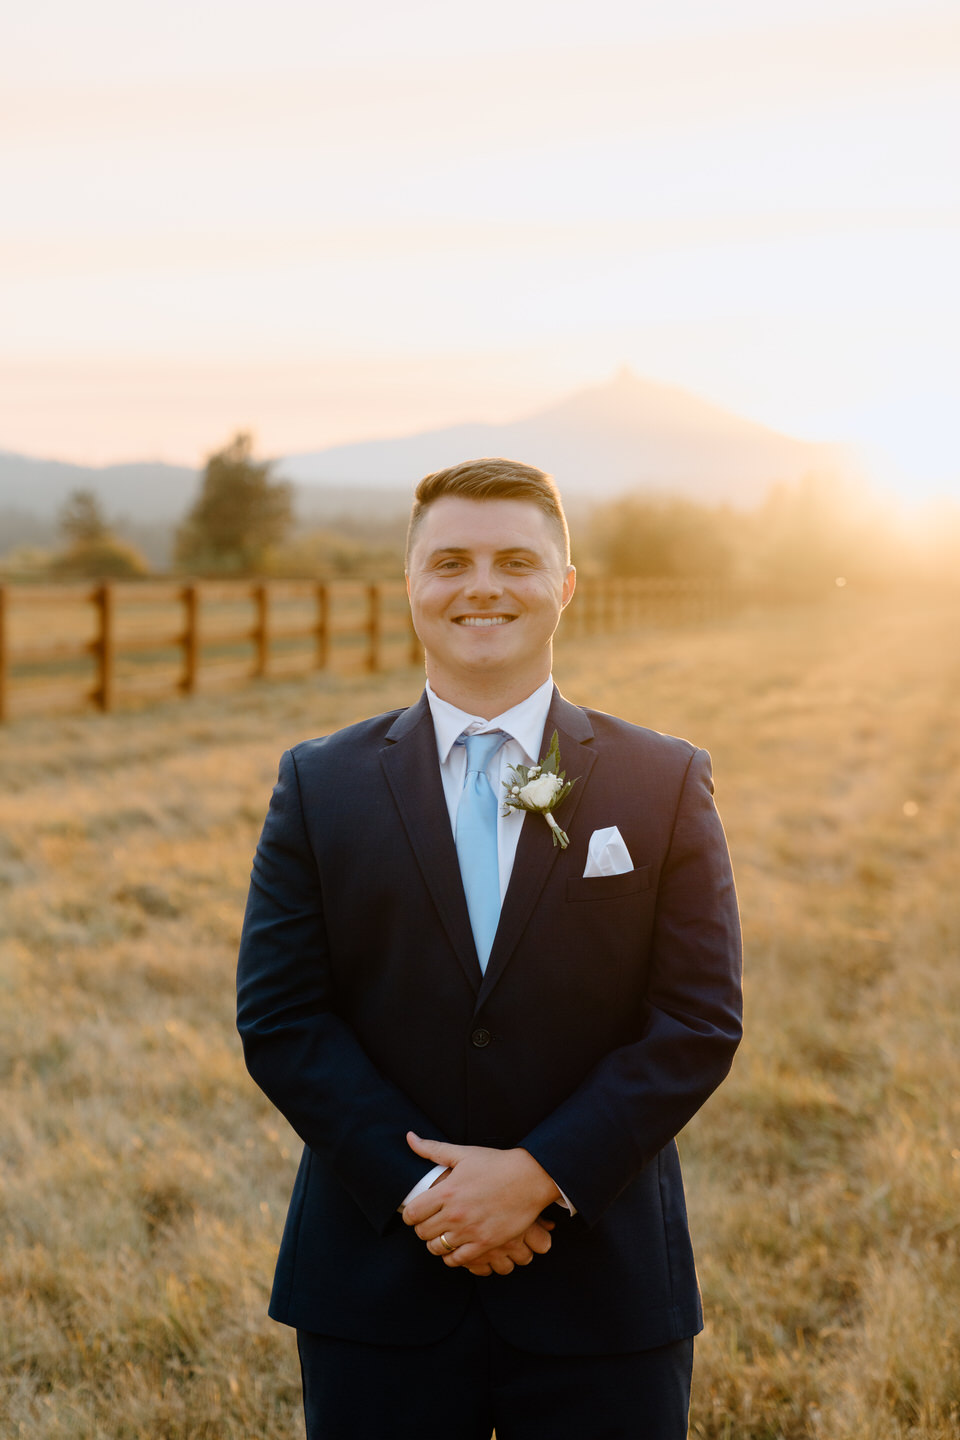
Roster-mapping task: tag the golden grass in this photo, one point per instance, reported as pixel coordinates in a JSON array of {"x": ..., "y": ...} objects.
[{"x": 143, "y": 1180}]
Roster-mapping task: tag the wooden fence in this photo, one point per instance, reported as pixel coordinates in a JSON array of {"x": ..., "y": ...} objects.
[{"x": 62, "y": 647}]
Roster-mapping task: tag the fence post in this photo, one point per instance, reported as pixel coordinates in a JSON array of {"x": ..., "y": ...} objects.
[
  {"x": 102, "y": 647},
  {"x": 322, "y": 628},
  {"x": 3, "y": 653},
  {"x": 373, "y": 628},
  {"x": 611, "y": 603},
  {"x": 261, "y": 634},
  {"x": 595, "y": 607},
  {"x": 190, "y": 638}
]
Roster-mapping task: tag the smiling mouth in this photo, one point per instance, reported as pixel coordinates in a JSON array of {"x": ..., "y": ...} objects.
[{"x": 484, "y": 621}]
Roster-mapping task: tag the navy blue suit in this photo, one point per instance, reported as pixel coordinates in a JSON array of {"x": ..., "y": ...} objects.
[{"x": 609, "y": 1011}]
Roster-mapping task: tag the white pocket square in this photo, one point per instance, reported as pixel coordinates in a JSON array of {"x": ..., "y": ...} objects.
[{"x": 607, "y": 854}]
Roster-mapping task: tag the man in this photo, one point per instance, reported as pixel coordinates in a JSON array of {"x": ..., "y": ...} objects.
[{"x": 488, "y": 1040}]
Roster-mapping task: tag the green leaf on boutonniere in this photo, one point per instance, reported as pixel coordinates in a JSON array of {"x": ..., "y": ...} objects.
[{"x": 540, "y": 788}]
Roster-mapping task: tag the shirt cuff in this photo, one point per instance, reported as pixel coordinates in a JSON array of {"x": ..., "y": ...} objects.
[
  {"x": 423, "y": 1184},
  {"x": 427, "y": 1180}
]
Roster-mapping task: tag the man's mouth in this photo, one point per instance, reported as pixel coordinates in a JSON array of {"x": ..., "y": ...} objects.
[{"x": 483, "y": 620}]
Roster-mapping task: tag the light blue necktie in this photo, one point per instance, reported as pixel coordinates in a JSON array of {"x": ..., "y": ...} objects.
[{"x": 477, "y": 841}]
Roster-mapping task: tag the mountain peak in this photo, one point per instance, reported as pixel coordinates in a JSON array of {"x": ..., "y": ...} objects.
[
  {"x": 626, "y": 433},
  {"x": 638, "y": 407}
]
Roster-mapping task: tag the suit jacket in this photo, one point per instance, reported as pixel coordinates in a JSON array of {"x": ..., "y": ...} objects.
[{"x": 609, "y": 1011}]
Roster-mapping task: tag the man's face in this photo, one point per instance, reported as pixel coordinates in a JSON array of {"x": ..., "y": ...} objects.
[{"x": 487, "y": 583}]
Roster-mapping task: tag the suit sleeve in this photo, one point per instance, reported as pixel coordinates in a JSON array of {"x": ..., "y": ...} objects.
[
  {"x": 640, "y": 1096},
  {"x": 304, "y": 1057}
]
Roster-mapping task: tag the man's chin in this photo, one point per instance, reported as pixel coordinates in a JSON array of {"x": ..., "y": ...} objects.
[{"x": 487, "y": 647}]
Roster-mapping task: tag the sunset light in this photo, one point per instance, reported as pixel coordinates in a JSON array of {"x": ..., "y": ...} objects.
[
  {"x": 415, "y": 419},
  {"x": 328, "y": 228}
]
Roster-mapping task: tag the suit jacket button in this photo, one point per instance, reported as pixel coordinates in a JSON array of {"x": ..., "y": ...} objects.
[{"x": 481, "y": 1037}]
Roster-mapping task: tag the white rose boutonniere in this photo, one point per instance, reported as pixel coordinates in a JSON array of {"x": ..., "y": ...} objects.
[{"x": 540, "y": 788}]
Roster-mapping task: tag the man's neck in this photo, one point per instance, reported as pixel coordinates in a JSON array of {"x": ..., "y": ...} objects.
[{"x": 484, "y": 700}]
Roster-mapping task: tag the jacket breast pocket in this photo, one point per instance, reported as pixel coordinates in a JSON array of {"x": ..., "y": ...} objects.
[{"x": 608, "y": 887}]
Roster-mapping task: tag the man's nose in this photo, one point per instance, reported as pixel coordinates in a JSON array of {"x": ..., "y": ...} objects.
[{"x": 484, "y": 580}]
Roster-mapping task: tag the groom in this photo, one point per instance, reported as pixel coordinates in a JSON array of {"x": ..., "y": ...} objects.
[{"x": 486, "y": 1040}]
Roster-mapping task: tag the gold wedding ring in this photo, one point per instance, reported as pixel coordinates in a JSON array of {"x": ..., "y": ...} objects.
[{"x": 446, "y": 1244}]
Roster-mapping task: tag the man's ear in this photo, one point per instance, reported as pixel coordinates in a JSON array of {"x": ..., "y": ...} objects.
[
  {"x": 406, "y": 581},
  {"x": 569, "y": 585}
]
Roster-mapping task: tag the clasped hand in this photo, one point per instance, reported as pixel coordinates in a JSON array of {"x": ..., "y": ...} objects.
[{"x": 486, "y": 1205}]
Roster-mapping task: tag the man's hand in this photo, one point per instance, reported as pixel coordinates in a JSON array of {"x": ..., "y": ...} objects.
[
  {"x": 503, "y": 1259},
  {"x": 489, "y": 1201}
]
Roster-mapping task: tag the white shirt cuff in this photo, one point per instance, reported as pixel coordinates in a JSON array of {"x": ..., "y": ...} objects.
[
  {"x": 565, "y": 1202},
  {"x": 427, "y": 1180},
  {"x": 424, "y": 1184}
]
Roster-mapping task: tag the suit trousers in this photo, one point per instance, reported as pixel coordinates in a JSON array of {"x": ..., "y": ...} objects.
[{"x": 472, "y": 1382}]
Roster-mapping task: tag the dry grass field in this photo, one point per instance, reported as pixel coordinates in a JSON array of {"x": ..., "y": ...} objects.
[{"x": 143, "y": 1180}]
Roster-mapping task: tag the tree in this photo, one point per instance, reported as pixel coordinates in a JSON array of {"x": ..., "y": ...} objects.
[
  {"x": 81, "y": 518},
  {"x": 92, "y": 550},
  {"x": 239, "y": 512},
  {"x": 108, "y": 558},
  {"x": 662, "y": 536}
]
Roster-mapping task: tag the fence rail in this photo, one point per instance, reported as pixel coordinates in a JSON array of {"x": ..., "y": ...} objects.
[{"x": 63, "y": 647}]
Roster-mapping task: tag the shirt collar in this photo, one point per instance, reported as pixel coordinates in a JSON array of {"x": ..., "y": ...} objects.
[{"x": 524, "y": 722}]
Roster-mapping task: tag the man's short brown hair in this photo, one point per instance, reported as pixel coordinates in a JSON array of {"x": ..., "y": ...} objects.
[{"x": 491, "y": 478}]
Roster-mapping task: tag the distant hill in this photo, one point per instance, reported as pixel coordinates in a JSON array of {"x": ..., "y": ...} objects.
[
  {"x": 626, "y": 434},
  {"x": 145, "y": 491},
  {"x": 142, "y": 501}
]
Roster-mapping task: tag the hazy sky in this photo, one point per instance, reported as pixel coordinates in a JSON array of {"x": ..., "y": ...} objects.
[{"x": 328, "y": 224}]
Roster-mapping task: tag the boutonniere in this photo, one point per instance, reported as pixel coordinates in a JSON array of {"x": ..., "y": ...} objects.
[{"x": 540, "y": 788}]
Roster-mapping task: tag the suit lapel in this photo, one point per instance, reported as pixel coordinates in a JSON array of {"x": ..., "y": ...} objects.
[
  {"x": 536, "y": 852},
  {"x": 410, "y": 764}
]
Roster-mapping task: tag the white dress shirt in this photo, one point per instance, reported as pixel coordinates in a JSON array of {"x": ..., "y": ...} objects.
[{"x": 524, "y": 724}]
